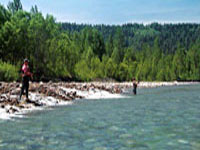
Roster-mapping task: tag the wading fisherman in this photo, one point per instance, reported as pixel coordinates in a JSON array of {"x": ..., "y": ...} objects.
[
  {"x": 26, "y": 75},
  {"x": 135, "y": 84}
]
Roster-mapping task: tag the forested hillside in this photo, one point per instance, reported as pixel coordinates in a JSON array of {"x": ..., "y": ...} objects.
[{"x": 84, "y": 52}]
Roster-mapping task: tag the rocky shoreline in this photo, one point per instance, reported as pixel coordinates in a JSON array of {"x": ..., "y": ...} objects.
[{"x": 62, "y": 93}]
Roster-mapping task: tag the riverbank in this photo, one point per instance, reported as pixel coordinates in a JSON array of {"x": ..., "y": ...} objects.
[{"x": 44, "y": 95}]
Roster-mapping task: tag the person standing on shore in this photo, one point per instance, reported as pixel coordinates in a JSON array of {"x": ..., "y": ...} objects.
[
  {"x": 26, "y": 74},
  {"x": 135, "y": 84}
]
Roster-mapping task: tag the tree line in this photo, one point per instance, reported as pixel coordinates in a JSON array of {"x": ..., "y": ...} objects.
[{"x": 67, "y": 51}]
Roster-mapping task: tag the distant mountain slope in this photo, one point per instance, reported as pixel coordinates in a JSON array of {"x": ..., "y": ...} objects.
[{"x": 169, "y": 35}]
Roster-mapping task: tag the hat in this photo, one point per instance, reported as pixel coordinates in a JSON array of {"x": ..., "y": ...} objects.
[{"x": 26, "y": 60}]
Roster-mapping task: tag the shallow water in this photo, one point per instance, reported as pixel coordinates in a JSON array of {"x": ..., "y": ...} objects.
[{"x": 160, "y": 118}]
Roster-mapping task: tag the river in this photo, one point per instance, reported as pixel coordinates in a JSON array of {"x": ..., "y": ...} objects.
[{"x": 157, "y": 118}]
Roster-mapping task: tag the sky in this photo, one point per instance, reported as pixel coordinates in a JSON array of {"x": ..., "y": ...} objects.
[{"x": 118, "y": 11}]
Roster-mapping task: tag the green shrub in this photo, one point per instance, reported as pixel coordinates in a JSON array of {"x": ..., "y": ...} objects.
[
  {"x": 83, "y": 72},
  {"x": 8, "y": 72}
]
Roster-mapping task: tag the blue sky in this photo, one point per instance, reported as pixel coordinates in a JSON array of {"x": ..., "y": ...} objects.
[{"x": 118, "y": 11}]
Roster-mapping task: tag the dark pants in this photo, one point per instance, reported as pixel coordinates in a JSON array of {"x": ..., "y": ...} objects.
[
  {"x": 25, "y": 86},
  {"x": 134, "y": 90}
]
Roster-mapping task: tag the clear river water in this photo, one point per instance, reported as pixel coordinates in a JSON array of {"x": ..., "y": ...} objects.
[{"x": 165, "y": 118}]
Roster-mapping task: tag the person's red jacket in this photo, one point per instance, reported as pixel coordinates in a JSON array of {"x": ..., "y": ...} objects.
[{"x": 26, "y": 71}]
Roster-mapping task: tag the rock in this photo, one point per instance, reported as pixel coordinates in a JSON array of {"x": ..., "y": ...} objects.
[
  {"x": 14, "y": 101},
  {"x": 10, "y": 91},
  {"x": 12, "y": 110},
  {"x": 3, "y": 98},
  {"x": 15, "y": 92},
  {"x": 74, "y": 93},
  {"x": 50, "y": 82},
  {"x": 51, "y": 93},
  {"x": 42, "y": 89},
  {"x": 35, "y": 103},
  {"x": 33, "y": 87}
]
